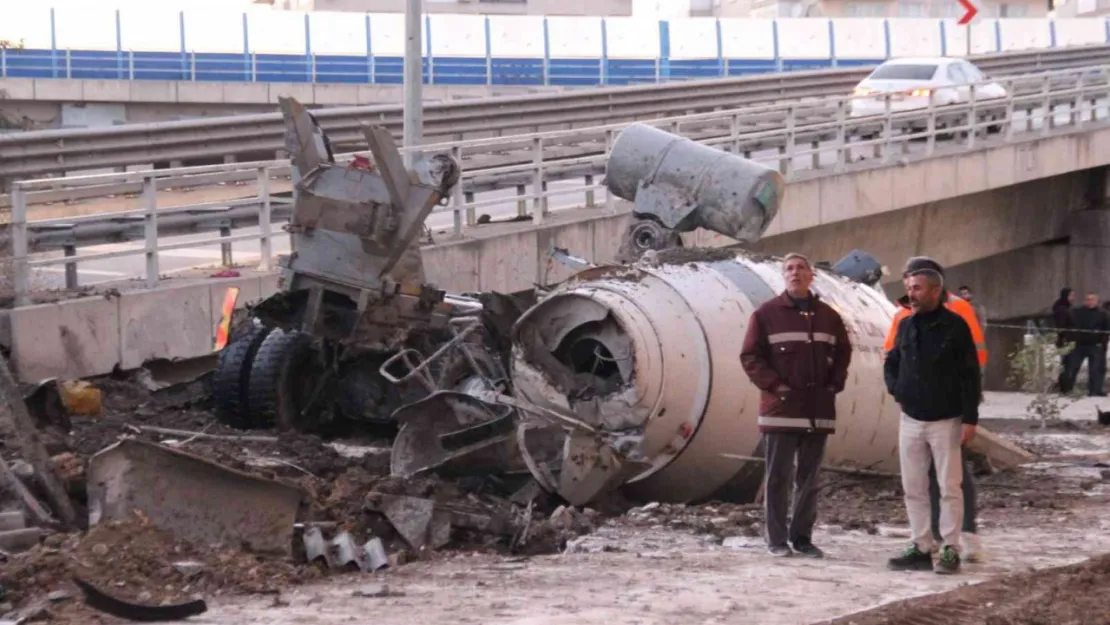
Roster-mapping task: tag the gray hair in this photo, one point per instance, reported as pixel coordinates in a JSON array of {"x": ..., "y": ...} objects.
[
  {"x": 793, "y": 255},
  {"x": 932, "y": 276}
]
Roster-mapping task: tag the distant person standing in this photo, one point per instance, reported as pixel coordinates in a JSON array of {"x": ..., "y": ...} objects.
[
  {"x": 796, "y": 352},
  {"x": 980, "y": 311},
  {"x": 1062, "y": 321},
  {"x": 1091, "y": 325},
  {"x": 933, "y": 374}
]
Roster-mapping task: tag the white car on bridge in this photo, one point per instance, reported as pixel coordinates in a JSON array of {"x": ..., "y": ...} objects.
[{"x": 911, "y": 80}]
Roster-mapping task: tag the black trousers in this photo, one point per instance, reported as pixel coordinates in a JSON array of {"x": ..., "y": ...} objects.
[
  {"x": 1095, "y": 355},
  {"x": 783, "y": 450}
]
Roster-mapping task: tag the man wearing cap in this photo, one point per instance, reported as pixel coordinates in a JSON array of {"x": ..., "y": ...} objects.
[
  {"x": 796, "y": 352},
  {"x": 969, "y": 534},
  {"x": 933, "y": 373}
]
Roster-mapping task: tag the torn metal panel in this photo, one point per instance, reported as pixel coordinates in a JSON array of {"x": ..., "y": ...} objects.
[
  {"x": 194, "y": 498},
  {"x": 437, "y": 434},
  {"x": 342, "y": 551}
]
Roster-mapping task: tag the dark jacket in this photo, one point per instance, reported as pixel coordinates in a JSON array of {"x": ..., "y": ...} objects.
[
  {"x": 809, "y": 352},
  {"x": 1061, "y": 318},
  {"x": 1092, "y": 323},
  {"x": 933, "y": 371}
]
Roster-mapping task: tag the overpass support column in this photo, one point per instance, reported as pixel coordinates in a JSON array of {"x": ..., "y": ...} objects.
[{"x": 1089, "y": 252}]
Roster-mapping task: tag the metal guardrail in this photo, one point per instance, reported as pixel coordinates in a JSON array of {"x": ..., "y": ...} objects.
[
  {"x": 260, "y": 136},
  {"x": 795, "y": 137}
]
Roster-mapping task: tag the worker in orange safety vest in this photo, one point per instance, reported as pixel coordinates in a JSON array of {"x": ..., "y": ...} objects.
[
  {"x": 972, "y": 547},
  {"x": 953, "y": 302}
]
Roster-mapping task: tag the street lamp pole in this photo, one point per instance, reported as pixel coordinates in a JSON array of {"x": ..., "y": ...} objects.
[{"x": 414, "y": 79}]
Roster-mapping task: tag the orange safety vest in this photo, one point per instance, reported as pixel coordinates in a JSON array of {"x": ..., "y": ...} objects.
[{"x": 957, "y": 305}]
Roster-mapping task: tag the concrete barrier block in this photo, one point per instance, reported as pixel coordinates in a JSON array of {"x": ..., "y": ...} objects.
[
  {"x": 106, "y": 91},
  {"x": 168, "y": 322},
  {"x": 200, "y": 92},
  {"x": 941, "y": 173},
  {"x": 875, "y": 190},
  {"x": 268, "y": 285},
  {"x": 801, "y": 209},
  {"x": 509, "y": 263},
  {"x": 249, "y": 292},
  {"x": 576, "y": 238},
  {"x": 1000, "y": 167},
  {"x": 303, "y": 93},
  {"x": 17, "y": 89},
  {"x": 336, "y": 94},
  {"x": 58, "y": 90},
  {"x": 381, "y": 94},
  {"x": 838, "y": 198},
  {"x": 908, "y": 183},
  {"x": 153, "y": 90},
  {"x": 971, "y": 173},
  {"x": 246, "y": 93},
  {"x": 453, "y": 267},
  {"x": 69, "y": 339}
]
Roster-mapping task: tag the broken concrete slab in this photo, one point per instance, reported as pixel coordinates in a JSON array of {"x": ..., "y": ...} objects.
[{"x": 194, "y": 498}]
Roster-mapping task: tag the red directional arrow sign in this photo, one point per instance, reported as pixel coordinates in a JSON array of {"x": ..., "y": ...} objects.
[{"x": 971, "y": 9}]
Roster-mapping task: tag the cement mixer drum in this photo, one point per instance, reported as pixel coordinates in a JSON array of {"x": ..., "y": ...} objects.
[{"x": 652, "y": 353}]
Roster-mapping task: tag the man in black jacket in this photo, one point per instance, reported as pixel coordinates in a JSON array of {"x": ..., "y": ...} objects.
[
  {"x": 933, "y": 373},
  {"x": 1061, "y": 319},
  {"x": 1091, "y": 325}
]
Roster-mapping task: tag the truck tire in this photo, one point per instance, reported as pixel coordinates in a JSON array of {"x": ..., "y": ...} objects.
[
  {"x": 231, "y": 381},
  {"x": 279, "y": 380}
]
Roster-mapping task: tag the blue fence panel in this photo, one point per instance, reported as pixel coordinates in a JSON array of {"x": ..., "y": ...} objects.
[
  {"x": 858, "y": 62},
  {"x": 745, "y": 67},
  {"x": 28, "y": 63},
  {"x": 517, "y": 71},
  {"x": 695, "y": 69},
  {"x": 222, "y": 67},
  {"x": 158, "y": 65},
  {"x": 800, "y": 65},
  {"x": 91, "y": 64},
  {"x": 342, "y": 69},
  {"x": 389, "y": 70},
  {"x": 449, "y": 70},
  {"x": 574, "y": 72},
  {"x": 282, "y": 68},
  {"x": 632, "y": 71}
]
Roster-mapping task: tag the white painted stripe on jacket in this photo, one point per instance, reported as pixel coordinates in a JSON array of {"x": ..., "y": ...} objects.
[
  {"x": 803, "y": 337},
  {"x": 791, "y": 422}
]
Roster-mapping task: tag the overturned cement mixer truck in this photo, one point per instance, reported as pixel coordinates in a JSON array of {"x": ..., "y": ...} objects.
[{"x": 624, "y": 376}]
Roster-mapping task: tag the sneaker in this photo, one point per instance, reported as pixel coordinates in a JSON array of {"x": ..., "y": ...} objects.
[
  {"x": 948, "y": 562},
  {"x": 779, "y": 551},
  {"x": 972, "y": 547},
  {"x": 808, "y": 549},
  {"x": 912, "y": 559}
]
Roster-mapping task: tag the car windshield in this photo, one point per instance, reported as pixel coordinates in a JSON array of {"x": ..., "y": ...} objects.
[{"x": 905, "y": 72}]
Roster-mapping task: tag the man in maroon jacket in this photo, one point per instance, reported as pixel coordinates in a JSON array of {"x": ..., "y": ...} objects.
[{"x": 796, "y": 352}]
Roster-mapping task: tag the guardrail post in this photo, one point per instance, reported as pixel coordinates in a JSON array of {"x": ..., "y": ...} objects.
[
  {"x": 19, "y": 245},
  {"x": 786, "y": 162},
  {"x": 1077, "y": 108},
  {"x": 69, "y": 65},
  {"x": 590, "y": 192},
  {"x": 972, "y": 118},
  {"x": 71, "y": 268},
  {"x": 888, "y": 130},
  {"x": 150, "y": 228},
  {"x": 1010, "y": 112},
  {"x": 734, "y": 133},
  {"x": 538, "y": 198},
  {"x": 931, "y": 125},
  {"x": 841, "y": 138},
  {"x": 1048, "y": 121},
  {"x": 459, "y": 198},
  {"x": 3, "y": 62},
  {"x": 193, "y": 66},
  {"x": 254, "y": 67},
  {"x": 225, "y": 248},
  {"x": 521, "y": 204},
  {"x": 265, "y": 242},
  {"x": 610, "y": 202},
  {"x": 131, "y": 65}
]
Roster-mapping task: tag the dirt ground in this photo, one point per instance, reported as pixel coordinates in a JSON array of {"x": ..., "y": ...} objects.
[{"x": 653, "y": 564}]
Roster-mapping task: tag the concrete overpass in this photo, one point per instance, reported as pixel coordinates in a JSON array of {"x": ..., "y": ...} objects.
[{"x": 1013, "y": 219}]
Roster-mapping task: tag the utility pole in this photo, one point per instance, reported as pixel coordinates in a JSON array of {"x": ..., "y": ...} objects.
[{"x": 414, "y": 80}]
